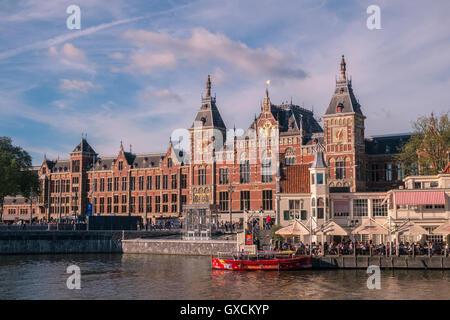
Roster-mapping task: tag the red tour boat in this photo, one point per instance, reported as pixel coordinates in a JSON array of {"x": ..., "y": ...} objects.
[{"x": 266, "y": 260}]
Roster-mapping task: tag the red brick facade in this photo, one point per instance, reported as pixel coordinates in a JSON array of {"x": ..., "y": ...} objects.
[{"x": 277, "y": 148}]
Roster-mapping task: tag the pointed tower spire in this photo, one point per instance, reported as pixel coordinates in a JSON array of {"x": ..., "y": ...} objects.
[
  {"x": 208, "y": 87},
  {"x": 121, "y": 146},
  {"x": 266, "y": 103},
  {"x": 343, "y": 69}
]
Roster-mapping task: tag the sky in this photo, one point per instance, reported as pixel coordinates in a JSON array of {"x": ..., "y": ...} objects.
[{"x": 136, "y": 70}]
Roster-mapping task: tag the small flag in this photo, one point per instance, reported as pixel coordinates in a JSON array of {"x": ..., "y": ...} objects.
[{"x": 268, "y": 82}]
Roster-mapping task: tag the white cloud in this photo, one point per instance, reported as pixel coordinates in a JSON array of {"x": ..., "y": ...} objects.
[
  {"x": 163, "y": 50},
  {"x": 76, "y": 85},
  {"x": 70, "y": 57},
  {"x": 145, "y": 63}
]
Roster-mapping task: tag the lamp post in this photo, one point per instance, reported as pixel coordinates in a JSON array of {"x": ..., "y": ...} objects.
[
  {"x": 230, "y": 193},
  {"x": 31, "y": 205}
]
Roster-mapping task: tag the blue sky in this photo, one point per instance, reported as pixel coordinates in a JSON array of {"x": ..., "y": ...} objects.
[{"x": 136, "y": 70}]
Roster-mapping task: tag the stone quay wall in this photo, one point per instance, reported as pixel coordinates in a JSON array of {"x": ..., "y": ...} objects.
[
  {"x": 50, "y": 242},
  {"x": 362, "y": 262},
  {"x": 178, "y": 247}
]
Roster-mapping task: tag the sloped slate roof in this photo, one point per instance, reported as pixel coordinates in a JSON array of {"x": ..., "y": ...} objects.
[
  {"x": 294, "y": 118},
  {"x": 136, "y": 161},
  {"x": 209, "y": 114},
  {"x": 386, "y": 144},
  {"x": 346, "y": 99},
  {"x": 319, "y": 161},
  {"x": 61, "y": 166},
  {"x": 84, "y": 147}
]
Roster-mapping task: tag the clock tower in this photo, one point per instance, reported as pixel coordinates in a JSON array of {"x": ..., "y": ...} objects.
[{"x": 344, "y": 137}]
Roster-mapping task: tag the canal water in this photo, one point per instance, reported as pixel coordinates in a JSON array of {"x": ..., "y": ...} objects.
[{"x": 130, "y": 276}]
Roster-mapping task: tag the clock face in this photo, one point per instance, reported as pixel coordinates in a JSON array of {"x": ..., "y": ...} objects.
[
  {"x": 266, "y": 128},
  {"x": 339, "y": 134}
]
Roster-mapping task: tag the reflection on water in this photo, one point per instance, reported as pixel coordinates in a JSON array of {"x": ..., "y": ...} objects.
[{"x": 129, "y": 276}]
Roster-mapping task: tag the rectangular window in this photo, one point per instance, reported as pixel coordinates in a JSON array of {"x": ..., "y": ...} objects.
[
  {"x": 132, "y": 183},
  {"x": 378, "y": 209},
  {"x": 165, "y": 198},
  {"x": 173, "y": 198},
  {"x": 149, "y": 182},
  {"x": 400, "y": 172},
  {"x": 102, "y": 205},
  {"x": 303, "y": 214},
  {"x": 340, "y": 170},
  {"x": 174, "y": 181},
  {"x": 102, "y": 185},
  {"x": 320, "y": 178},
  {"x": 201, "y": 176},
  {"x": 141, "y": 203},
  {"x": 183, "y": 181},
  {"x": 165, "y": 182},
  {"x": 132, "y": 204},
  {"x": 76, "y": 166},
  {"x": 124, "y": 183},
  {"x": 267, "y": 200},
  {"x": 158, "y": 183},
  {"x": 149, "y": 204},
  {"x": 223, "y": 176},
  {"x": 109, "y": 205},
  {"x": 173, "y": 208},
  {"x": 360, "y": 208},
  {"x": 266, "y": 171},
  {"x": 244, "y": 171},
  {"x": 388, "y": 172},
  {"x": 141, "y": 183},
  {"x": 157, "y": 203},
  {"x": 223, "y": 201},
  {"x": 109, "y": 184},
  {"x": 120, "y": 165},
  {"x": 245, "y": 200},
  {"x": 341, "y": 208},
  {"x": 287, "y": 215},
  {"x": 116, "y": 183}
]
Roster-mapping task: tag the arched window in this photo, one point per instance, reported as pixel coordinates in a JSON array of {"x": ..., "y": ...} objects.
[
  {"x": 320, "y": 208},
  {"x": 289, "y": 156}
]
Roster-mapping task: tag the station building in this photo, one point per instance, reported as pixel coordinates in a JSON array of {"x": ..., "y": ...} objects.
[{"x": 270, "y": 169}]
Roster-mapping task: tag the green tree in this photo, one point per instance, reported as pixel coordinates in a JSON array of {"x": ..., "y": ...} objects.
[
  {"x": 427, "y": 151},
  {"x": 16, "y": 176}
]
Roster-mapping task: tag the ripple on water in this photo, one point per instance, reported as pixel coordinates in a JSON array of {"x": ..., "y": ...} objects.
[{"x": 115, "y": 276}]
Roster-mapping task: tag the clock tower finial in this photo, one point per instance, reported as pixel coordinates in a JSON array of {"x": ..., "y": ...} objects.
[
  {"x": 343, "y": 69},
  {"x": 208, "y": 87}
]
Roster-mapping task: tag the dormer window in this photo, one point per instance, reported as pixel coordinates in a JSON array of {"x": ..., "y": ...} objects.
[
  {"x": 203, "y": 120},
  {"x": 169, "y": 163},
  {"x": 340, "y": 107},
  {"x": 341, "y": 91},
  {"x": 120, "y": 165}
]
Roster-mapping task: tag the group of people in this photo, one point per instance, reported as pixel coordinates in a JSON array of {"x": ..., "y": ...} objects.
[
  {"x": 227, "y": 227},
  {"x": 368, "y": 248},
  {"x": 161, "y": 225}
]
